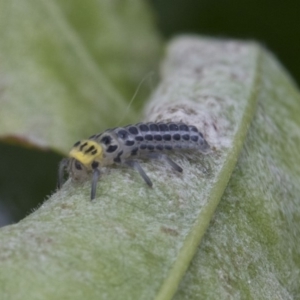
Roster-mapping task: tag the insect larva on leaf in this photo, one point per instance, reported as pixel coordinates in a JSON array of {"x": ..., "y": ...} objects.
[{"x": 123, "y": 144}]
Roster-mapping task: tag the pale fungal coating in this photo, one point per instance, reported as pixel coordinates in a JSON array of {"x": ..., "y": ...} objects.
[{"x": 122, "y": 144}]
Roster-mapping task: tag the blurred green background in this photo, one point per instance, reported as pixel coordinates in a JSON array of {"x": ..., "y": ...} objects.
[{"x": 275, "y": 24}]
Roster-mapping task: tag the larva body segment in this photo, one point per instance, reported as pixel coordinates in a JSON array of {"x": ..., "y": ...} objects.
[{"x": 122, "y": 145}]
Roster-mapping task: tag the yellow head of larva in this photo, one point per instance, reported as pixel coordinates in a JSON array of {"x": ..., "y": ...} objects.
[{"x": 86, "y": 152}]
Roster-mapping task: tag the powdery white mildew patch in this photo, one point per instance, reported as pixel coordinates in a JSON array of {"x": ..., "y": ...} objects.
[{"x": 201, "y": 85}]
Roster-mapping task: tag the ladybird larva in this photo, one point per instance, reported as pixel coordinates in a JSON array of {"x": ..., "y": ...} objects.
[{"x": 121, "y": 145}]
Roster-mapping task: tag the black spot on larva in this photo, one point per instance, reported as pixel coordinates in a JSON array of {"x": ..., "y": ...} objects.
[
  {"x": 173, "y": 127},
  {"x": 148, "y": 137},
  {"x": 194, "y": 138},
  {"x": 167, "y": 137},
  {"x": 76, "y": 144},
  {"x": 163, "y": 127},
  {"x": 90, "y": 149},
  {"x": 95, "y": 164},
  {"x": 193, "y": 129},
  {"x": 94, "y": 152},
  {"x": 143, "y": 146},
  {"x": 153, "y": 127},
  {"x": 150, "y": 147},
  {"x": 122, "y": 134},
  {"x": 201, "y": 134},
  {"x": 129, "y": 143},
  {"x": 139, "y": 138},
  {"x": 78, "y": 165},
  {"x": 183, "y": 127},
  {"x": 82, "y": 146},
  {"x": 134, "y": 151},
  {"x": 106, "y": 140},
  {"x": 157, "y": 137},
  {"x": 159, "y": 147},
  {"x": 144, "y": 127},
  {"x": 112, "y": 148},
  {"x": 168, "y": 147},
  {"x": 176, "y": 137},
  {"x": 118, "y": 158},
  {"x": 133, "y": 130},
  {"x": 92, "y": 136},
  {"x": 186, "y": 137}
]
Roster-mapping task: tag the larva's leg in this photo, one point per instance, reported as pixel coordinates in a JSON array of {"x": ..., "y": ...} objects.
[
  {"x": 61, "y": 172},
  {"x": 166, "y": 158},
  {"x": 95, "y": 177},
  {"x": 135, "y": 165}
]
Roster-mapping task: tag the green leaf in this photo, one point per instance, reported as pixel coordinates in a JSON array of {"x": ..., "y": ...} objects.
[
  {"x": 67, "y": 67},
  {"x": 133, "y": 242},
  {"x": 251, "y": 249}
]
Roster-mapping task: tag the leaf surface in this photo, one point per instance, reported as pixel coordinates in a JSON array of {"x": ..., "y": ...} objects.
[
  {"x": 133, "y": 242},
  {"x": 251, "y": 249},
  {"x": 69, "y": 68}
]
